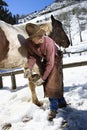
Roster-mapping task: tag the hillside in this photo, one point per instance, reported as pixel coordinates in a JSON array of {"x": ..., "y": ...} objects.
[
  {"x": 52, "y": 7},
  {"x": 73, "y": 15}
]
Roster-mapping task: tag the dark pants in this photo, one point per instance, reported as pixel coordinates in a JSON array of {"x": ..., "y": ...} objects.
[{"x": 54, "y": 102}]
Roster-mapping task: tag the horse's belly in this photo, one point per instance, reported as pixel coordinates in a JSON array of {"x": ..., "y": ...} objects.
[{"x": 13, "y": 61}]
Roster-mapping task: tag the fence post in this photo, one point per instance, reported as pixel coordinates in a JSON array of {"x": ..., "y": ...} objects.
[
  {"x": 1, "y": 83},
  {"x": 13, "y": 81}
]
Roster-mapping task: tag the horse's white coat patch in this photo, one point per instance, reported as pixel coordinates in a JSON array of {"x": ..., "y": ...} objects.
[{"x": 15, "y": 58}]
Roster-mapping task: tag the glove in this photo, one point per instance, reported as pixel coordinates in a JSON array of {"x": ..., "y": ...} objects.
[
  {"x": 39, "y": 82},
  {"x": 27, "y": 73}
]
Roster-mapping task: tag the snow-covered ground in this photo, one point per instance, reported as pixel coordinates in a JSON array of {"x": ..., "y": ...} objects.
[{"x": 17, "y": 112}]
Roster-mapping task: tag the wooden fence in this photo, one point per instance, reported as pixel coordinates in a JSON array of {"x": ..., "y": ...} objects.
[
  {"x": 13, "y": 73},
  {"x": 77, "y": 49}
]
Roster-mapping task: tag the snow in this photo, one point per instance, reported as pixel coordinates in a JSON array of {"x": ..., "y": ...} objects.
[{"x": 19, "y": 113}]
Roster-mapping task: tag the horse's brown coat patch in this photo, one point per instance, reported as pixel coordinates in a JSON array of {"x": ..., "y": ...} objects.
[{"x": 4, "y": 45}]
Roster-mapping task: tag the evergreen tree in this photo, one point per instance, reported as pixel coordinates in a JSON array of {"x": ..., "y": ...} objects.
[
  {"x": 6, "y": 15},
  {"x": 3, "y": 3}
]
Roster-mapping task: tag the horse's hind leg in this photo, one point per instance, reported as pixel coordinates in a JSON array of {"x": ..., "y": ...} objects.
[{"x": 33, "y": 94}]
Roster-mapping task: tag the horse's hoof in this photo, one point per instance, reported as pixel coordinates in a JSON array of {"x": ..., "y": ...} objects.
[{"x": 39, "y": 103}]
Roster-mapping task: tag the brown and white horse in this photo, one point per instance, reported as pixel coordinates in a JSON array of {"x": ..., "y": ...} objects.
[{"x": 13, "y": 52}]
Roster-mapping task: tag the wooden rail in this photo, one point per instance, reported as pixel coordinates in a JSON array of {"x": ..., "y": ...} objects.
[
  {"x": 12, "y": 74},
  {"x": 76, "y": 49},
  {"x": 15, "y": 72},
  {"x": 75, "y": 64}
]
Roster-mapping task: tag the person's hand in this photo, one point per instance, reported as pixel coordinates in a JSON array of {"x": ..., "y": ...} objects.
[
  {"x": 27, "y": 73},
  {"x": 39, "y": 82}
]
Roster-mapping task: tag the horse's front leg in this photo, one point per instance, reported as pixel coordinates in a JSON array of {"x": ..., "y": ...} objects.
[{"x": 33, "y": 94}]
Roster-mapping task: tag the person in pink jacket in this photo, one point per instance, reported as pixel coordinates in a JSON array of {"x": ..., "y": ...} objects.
[{"x": 43, "y": 51}]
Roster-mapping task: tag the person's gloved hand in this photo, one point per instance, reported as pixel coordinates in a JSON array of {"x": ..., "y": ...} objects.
[
  {"x": 27, "y": 73},
  {"x": 39, "y": 82}
]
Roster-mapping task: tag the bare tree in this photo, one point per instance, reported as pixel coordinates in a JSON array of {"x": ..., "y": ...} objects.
[{"x": 76, "y": 11}]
